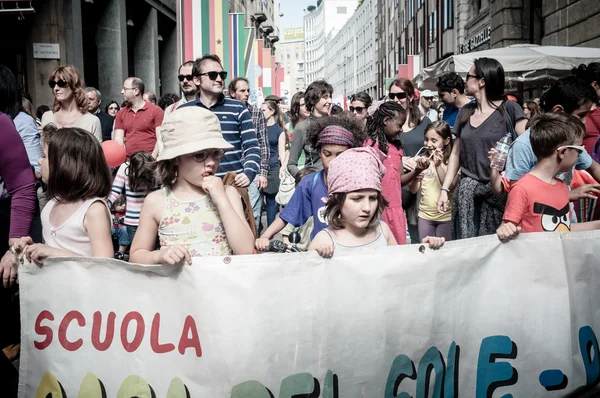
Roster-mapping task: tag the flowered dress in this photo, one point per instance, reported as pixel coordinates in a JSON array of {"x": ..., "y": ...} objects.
[{"x": 195, "y": 225}]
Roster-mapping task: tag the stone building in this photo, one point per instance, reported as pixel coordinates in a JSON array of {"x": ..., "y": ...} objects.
[
  {"x": 290, "y": 55},
  {"x": 107, "y": 40}
]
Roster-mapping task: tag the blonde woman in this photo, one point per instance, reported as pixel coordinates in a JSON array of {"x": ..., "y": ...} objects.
[{"x": 70, "y": 103}]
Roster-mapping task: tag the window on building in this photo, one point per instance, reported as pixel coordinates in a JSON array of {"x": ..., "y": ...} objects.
[
  {"x": 342, "y": 10},
  {"x": 402, "y": 55},
  {"x": 411, "y": 46},
  {"x": 448, "y": 14},
  {"x": 395, "y": 3},
  {"x": 434, "y": 23},
  {"x": 420, "y": 3},
  {"x": 403, "y": 19},
  {"x": 420, "y": 38},
  {"x": 411, "y": 9}
]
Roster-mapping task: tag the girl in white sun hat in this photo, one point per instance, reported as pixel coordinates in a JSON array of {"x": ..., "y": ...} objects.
[{"x": 194, "y": 214}]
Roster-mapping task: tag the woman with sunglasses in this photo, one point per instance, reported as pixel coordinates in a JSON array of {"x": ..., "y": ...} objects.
[
  {"x": 413, "y": 135},
  {"x": 70, "y": 102},
  {"x": 476, "y": 210},
  {"x": 113, "y": 108},
  {"x": 359, "y": 104}
]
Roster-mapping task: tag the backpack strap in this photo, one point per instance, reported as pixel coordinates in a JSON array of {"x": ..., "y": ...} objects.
[{"x": 315, "y": 178}]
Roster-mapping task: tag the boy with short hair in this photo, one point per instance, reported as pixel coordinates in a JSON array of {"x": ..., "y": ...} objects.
[{"x": 538, "y": 201}]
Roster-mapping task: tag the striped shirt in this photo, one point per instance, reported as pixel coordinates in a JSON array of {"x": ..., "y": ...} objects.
[
  {"x": 238, "y": 130},
  {"x": 133, "y": 200}
]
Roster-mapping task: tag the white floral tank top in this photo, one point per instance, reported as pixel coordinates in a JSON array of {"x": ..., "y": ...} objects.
[{"x": 195, "y": 225}]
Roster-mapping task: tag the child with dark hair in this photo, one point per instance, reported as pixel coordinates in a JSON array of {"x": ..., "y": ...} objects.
[
  {"x": 329, "y": 136},
  {"x": 383, "y": 130},
  {"x": 356, "y": 204},
  {"x": 438, "y": 141},
  {"x": 539, "y": 202},
  {"x": 136, "y": 178},
  {"x": 119, "y": 230},
  {"x": 591, "y": 75},
  {"x": 76, "y": 220}
]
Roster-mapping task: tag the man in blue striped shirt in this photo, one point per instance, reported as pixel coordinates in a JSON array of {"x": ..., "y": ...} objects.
[{"x": 236, "y": 122}]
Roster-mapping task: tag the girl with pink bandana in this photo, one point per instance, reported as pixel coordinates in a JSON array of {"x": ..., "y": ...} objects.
[
  {"x": 329, "y": 136},
  {"x": 356, "y": 204}
]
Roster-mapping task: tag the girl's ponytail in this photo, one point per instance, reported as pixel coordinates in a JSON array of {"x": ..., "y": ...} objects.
[{"x": 375, "y": 124}]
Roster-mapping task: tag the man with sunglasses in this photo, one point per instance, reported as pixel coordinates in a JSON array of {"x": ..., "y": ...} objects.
[
  {"x": 236, "y": 122},
  {"x": 187, "y": 86},
  {"x": 239, "y": 89},
  {"x": 136, "y": 123}
]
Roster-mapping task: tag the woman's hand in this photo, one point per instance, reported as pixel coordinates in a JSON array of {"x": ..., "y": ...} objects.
[
  {"x": 443, "y": 202},
  {"x": 175, "y": 255},
  {"x": 422, "y": 163},
  {"x": 8, "y": 269}
]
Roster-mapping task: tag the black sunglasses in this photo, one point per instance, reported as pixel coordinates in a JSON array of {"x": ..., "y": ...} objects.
[
  {"x": 213, "y": 75},
  {"x": 187, "y": 77},
  {"x": 60, "y": 83},
  {"x": 201, "y": 156},
  {"x": 472, "y": 76},
  {"x": 401, "y": 95},
  {"x": 358, "y": 109}
]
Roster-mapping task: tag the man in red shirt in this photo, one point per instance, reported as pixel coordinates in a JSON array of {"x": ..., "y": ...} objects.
[{"x": 136, "y": 123}]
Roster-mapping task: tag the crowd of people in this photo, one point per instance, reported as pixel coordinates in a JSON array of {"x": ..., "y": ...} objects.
[{"x": 200, "y": 171}]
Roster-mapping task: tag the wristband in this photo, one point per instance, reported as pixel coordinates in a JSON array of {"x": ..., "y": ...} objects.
[{"x": 445, "y": 190}]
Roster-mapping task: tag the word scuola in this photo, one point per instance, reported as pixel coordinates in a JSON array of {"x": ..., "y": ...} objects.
[{"x": 189, "y": 339}]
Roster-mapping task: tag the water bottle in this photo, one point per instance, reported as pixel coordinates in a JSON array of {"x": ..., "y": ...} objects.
[{"x": 499, "y": 159}]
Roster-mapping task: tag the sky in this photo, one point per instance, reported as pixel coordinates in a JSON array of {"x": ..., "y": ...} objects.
[{"x": 293, "y": 13}]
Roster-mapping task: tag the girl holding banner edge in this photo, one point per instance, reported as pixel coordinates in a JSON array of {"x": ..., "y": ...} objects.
[
  {"x": 76, "y": 221},
  {"x": 356, "y": 204},
  {"x": 194, "y": 214}
]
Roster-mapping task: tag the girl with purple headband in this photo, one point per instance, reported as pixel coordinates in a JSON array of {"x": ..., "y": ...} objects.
[
  {"x": 329, "y": 136},
  {"x": 355, "y": 205}
]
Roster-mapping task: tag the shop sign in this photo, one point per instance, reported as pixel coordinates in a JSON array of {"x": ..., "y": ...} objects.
[
  {"x": 482, "y": 36},
  {"x": 46, "y": 50}
]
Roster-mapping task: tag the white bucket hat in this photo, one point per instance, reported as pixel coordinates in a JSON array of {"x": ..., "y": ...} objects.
[{"x": 189, "y": 130}]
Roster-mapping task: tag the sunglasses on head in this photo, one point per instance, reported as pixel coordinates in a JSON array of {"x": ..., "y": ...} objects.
[
  {"x": 60, "y": 83},
  {"x": 201, "y": 156},
  {"x": 401, "y": 95},
  {"x": 213, "y": 75},
  {"x": 577, "y": 148},
  {"x": 189, "y": 78},
  {"x": 358, "y": 109}
]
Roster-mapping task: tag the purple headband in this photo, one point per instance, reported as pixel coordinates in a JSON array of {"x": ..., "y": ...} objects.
[{"x": 336, "y": 135}]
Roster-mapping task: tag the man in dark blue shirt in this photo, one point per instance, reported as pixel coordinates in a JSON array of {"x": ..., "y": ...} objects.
[
  {"x": 236, "y": 122},
  {"x": 451, "y": 91}
]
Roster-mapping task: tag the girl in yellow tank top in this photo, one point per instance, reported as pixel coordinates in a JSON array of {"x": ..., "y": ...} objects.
[{"x": 195, "y": 215}]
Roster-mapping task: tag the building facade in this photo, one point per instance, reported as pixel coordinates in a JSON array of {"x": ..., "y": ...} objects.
[
  {"x": 264, "y": 16},
  {"x": 419, "y": 31},
  {"x": 107, "y": 40},
  {"x": 350, "y": 63},
  {"x": 290, "y": 55},
  {"x": 484, "y": 24},
  {"x": 320, "y": 25}
]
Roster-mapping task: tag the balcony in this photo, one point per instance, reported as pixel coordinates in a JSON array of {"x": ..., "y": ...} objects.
[
  {"x": 267, "y": 29},
  {"x": 259, "y": 17}
]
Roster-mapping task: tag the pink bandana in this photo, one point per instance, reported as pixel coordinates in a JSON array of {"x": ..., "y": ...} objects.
[
  {"x": 356, "y": 169},
  {"x": 336, "y": 135}
]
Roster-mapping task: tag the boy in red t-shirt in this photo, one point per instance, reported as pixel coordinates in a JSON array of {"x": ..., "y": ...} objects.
[{"x": 539, "y": 202}]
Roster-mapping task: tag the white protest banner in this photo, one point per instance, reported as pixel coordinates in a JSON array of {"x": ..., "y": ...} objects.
[{"x": 475, "y": 319}]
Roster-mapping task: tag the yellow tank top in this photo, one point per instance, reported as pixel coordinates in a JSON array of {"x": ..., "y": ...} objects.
[{"x": 195, "y": 225}]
